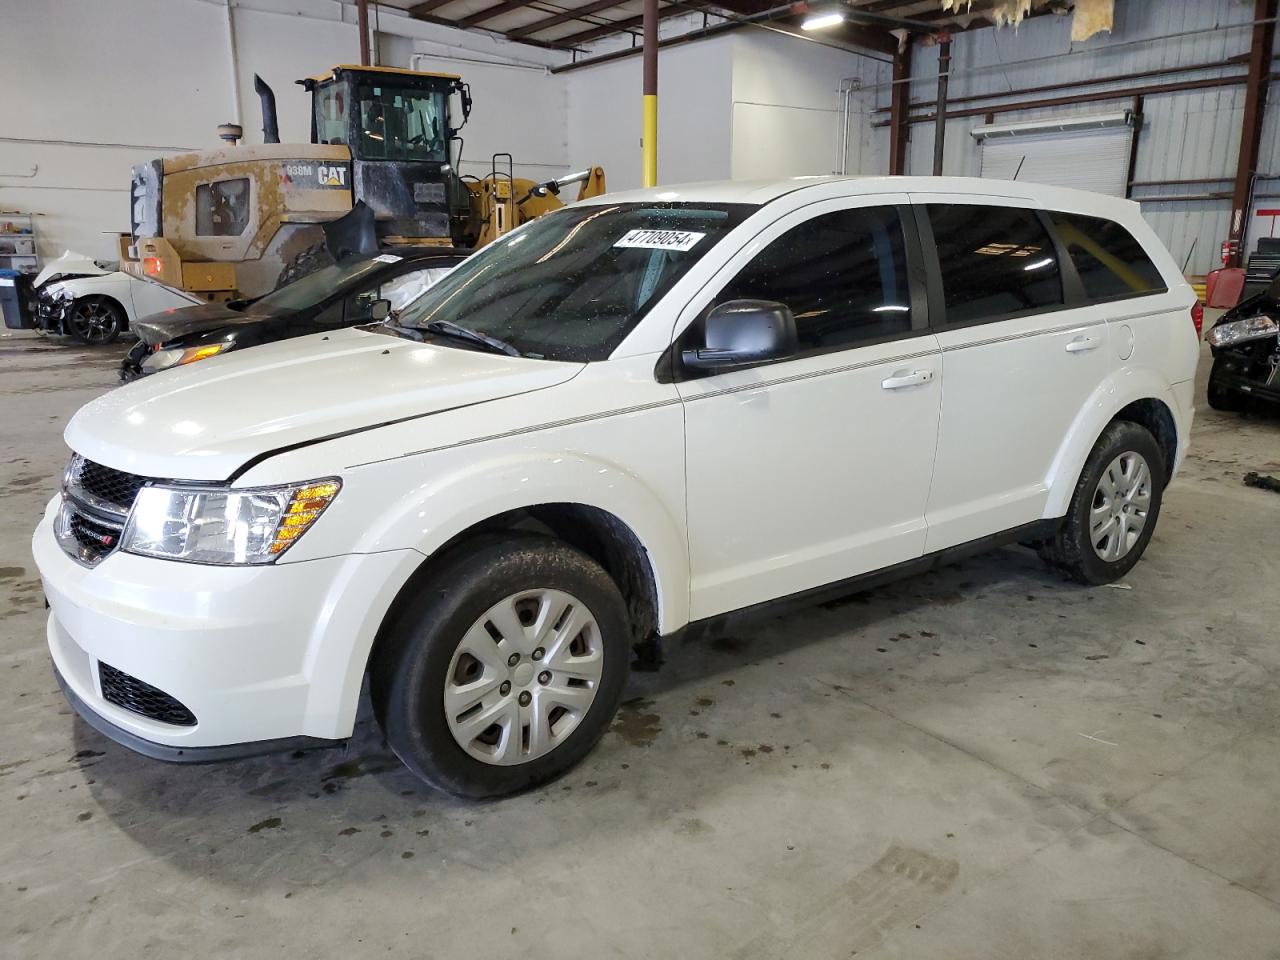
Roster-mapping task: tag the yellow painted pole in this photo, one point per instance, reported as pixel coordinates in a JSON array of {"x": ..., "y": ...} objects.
[
  {"x": 649, "y": 120},
  {"x": 649, "y": 141}
]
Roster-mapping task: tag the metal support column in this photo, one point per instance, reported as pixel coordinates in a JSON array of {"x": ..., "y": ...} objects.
[
  {"x": 1138, "y": 103},
  {"x": 1255, "y": 102},
  {"x": 940, "y": 124},
  {"x": 899, "y": 99},
  {"x": 362, "y": 18},
  {"x": 649, "y": 129}
]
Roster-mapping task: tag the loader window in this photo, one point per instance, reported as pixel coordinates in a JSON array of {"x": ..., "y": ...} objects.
[
  {"x": 401, "y": 124},
  {"x": 331, "y": 115},
  {"x": 222, "y": 208}
]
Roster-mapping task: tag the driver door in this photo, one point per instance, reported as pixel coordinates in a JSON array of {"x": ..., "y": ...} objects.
[{"x": 814, "y": 469}]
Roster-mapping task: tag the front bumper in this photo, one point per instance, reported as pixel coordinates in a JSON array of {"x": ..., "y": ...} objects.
[
  {"x": 158, "y": 751},
  {"x": 1252, "y": 369},
  {"x": 256, "y": 654},
  {"x": 51, "y": 312}
]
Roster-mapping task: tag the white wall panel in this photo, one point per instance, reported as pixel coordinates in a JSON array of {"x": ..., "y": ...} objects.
[
  {"x": 787, "y": 106},
  {"x": 693, "y": 115}
]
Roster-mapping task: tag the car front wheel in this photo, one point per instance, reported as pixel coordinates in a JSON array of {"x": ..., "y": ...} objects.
[
  {"x": 506, "y": 670},
  {"x": 1114, "y": 508},
  {"x": 95, "y": 321}
]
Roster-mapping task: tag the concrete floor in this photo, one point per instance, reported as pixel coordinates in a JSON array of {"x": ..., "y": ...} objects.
[{"x": 983, "y": 762}]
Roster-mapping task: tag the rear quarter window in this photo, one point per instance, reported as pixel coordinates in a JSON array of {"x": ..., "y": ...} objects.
[{"x": 1112, "y": 265}]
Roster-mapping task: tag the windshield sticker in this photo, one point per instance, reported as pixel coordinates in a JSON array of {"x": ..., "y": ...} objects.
[
  {"x": 387, "y": 258},
  {"x": 660, "y": 239}
]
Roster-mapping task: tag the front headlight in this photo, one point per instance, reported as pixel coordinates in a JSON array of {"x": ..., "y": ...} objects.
[
  {"x": 220, "y": 526},
  {"x": 1242, "y": 331},
  {"x": 177, "y": 356}
]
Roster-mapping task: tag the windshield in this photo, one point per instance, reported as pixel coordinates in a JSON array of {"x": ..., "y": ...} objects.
[
  {"x": 314, "y": 287},
  {"x": 572, "y": 284},
  {"x": 401, "y": 124}
]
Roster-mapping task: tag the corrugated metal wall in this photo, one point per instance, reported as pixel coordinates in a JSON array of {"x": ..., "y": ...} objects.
[{"x": 1185, "y": 135}]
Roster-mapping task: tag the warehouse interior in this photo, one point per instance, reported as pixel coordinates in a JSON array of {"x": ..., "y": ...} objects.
[{"x": 983, "y": 760}]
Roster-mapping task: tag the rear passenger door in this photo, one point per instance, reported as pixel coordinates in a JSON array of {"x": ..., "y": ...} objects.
[
  {"x": 1022, "y": 352},
  {"x": 815, "y": 468},
  {"x": 1120, "y": 279}
]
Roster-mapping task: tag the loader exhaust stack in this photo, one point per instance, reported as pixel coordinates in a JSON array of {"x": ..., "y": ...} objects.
[{"x": 270, "y": 125}]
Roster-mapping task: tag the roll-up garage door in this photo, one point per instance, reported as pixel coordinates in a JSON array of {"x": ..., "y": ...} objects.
[{"x": 1088, "y": 153}]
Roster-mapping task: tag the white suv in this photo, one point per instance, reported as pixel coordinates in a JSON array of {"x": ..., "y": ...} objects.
[{"x": 634, "y": 415}]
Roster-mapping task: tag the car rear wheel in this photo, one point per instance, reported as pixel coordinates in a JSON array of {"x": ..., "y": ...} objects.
[
  {"x": 95, "y": 321},
  {"x": 506, "y": 670},
  {"x": 1114, "y": 508}
]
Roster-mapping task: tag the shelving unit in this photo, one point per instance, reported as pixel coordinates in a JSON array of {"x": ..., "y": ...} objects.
[{"x": 18, "y": 242}]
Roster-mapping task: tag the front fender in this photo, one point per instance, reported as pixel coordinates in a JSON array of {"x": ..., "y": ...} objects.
[
  {"x": 438, "y": 505},
  {"x": 113, "y": 286},
  {"x": 1123, "y": 387},
  {"x": 441, "y": 503}
]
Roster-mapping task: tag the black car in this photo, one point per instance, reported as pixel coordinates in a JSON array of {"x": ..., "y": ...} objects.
[
  {"x": 1246, "y": 352},
  {"x": 341, "y": 294}
]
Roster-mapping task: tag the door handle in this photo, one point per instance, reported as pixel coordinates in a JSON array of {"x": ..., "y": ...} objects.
[
  {"x": 913, "y": 379},
  {"x": 1082, "y": 343}
]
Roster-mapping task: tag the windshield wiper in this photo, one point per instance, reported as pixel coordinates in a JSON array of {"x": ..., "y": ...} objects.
[
  {"x": 409, "y": 333},
  {"x": 445, "y": 328}
]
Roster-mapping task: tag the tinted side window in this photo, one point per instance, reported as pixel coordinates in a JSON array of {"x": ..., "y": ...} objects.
[
  {"x": 995, "y": 261},
  {"x": 843, "y": 274},
  {"x": 1110, "y": 262}
]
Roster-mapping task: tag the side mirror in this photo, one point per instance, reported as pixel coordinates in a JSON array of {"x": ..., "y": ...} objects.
[
  {"x": 742, "y": 332},
  {"x": 379, "y": 310}
]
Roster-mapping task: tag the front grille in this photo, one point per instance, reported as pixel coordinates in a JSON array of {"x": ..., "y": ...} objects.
[
  {"x": 94, "y": 536},
  {"x": 130, "y": 693},
  {"x": 96, "y": 501},
  {"x": 106, "y": 483}
]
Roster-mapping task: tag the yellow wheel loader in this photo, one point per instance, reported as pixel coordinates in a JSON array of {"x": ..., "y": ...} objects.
[{"x": 239, "y": 221}]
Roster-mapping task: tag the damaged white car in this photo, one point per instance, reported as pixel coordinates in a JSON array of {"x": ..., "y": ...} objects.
[{"x": 93, "y": 302}]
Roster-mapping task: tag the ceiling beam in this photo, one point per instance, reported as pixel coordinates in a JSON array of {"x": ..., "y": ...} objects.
[
  {"x": 578, "y": 13},
  {"x": 419, "y": 10},
  {"x": 850, "y": 33},
  {"x": 488, "y": 13},
  {"x": 618, "y": 26},
  {"x": 443, "y": 22}
]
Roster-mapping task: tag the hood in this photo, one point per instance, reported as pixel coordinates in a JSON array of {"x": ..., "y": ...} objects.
[
  {"x": 72, "y": 265},
  {"x": 177, "y": 322},
  {"x": 205, "y": 421}
]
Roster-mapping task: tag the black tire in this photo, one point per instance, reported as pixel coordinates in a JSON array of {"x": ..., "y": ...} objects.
[
  {"x": 1221, "y": 397},
  {"x": 1071, "y": 550},
  {"x": 410, "y": 668},
  {"x": 96, "y": 321},
  {"x": 308, "y": 261}
]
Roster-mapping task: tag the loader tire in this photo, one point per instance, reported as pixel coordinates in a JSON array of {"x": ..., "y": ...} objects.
[{"x": 308, "y": 261}]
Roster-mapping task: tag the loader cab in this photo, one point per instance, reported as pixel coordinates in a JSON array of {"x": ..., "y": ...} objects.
[{"x": 399, "y": 127}]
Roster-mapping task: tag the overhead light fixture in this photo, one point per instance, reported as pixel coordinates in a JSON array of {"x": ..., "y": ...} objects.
[{"x": 821, "y": 21}]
